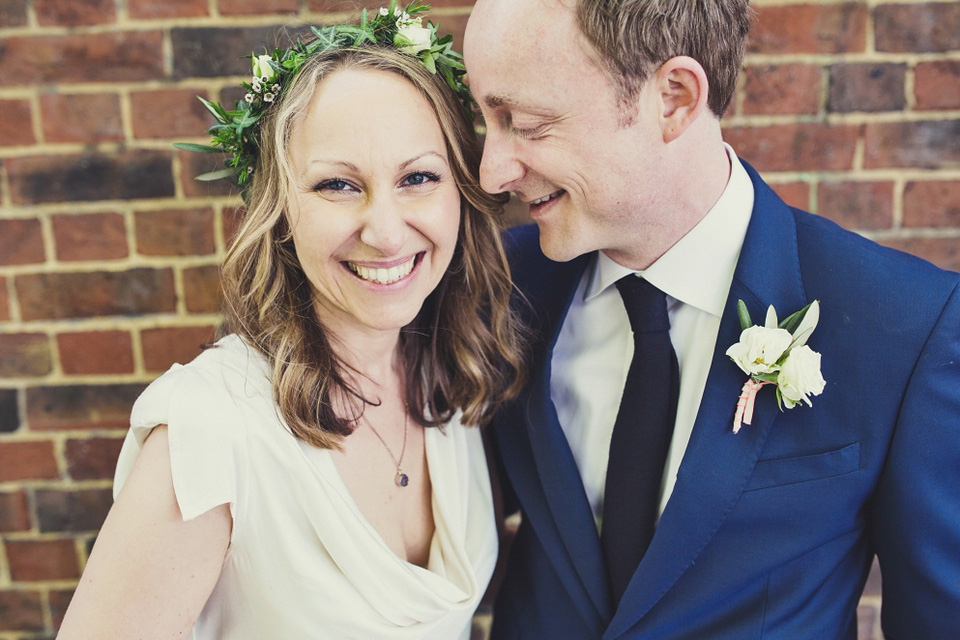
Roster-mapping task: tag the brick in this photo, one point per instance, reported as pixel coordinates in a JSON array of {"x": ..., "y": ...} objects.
[
  {"x": 857, "y": 205},
  {"x": 59, "y": 601},
  {"x": 21, "y": 241},
  {"x": 27, "y": 461},
  {"x": 163, "y": 347},
  {"x": 452, "y": 25},
  {"x": 55, "y": 296},
  {"x": 795, "y": 147},
  {"x": 210, "y": 52},
  {"x": 185, "y": 232},
  {"x": 16, "y": 126},
  {"x": 13, "y": 511},
  {"x": 4, "y": 300},
  {"x": 87, "y": 118},
  {"x": 76, "y": 13},
  {"x": 194, "y": 164},
  {"x": 917, "y": 27},
  {"x": 13, "y": 13},
  {"x": 232, "y": 219},
  {"x": 201, "y": 289},
  {"x": 129, "y": 56},
  {"x": 72, "y": 511},
  {"x": 810, "y": 28},
  {"x": 9, "y": 411},
  {"x": 931, "y": 204},
  {"x": 169, "y": 113},
  {"x": 781, "y": 89},
  {"x": 937, "y": 85},
  {"x": 35, "y": 560},
  {"x": 81, "y": 406},
  {"x": 931, "y": 144},
  {"x": 92, "y": 458},
  {"x": 943, "y": 252},
  {"x": 96, "y": 352},
  {"x": 90, "y": 236},
  {"x": 795, "y": 194},
  {"x": 24, "y": 355},
  {"x": 867, "y": 87},
  {"x": 126, "y": 175},
  {"x": 256, "y": 7},
  {"x": 149, "y": 9},
  {"x": 20, "y": 611}
]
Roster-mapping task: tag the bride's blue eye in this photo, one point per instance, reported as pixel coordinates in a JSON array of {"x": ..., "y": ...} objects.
[
  {"x": 420, "y": 177},
  {"x": 332, "y": 185}
]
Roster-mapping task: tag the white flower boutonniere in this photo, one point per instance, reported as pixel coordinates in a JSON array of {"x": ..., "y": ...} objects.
[{"x": 777, "y": 354}]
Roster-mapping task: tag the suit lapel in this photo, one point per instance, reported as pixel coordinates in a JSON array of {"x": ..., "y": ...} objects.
[
  {"x": 568, "y": 520},
  {"x": 717, "y": 463}
]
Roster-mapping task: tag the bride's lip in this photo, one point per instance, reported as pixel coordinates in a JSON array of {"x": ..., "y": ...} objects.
[{"x": 383, "y": 264}]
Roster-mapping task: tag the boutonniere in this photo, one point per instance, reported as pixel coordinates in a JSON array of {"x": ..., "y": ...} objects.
[{"x": 777, "y": 354}]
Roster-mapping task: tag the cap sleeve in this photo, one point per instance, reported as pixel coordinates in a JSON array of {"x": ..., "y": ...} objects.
[{"x": 204, "y": 430}]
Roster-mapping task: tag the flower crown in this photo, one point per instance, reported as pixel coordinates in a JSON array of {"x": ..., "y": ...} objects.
[{"x": 236, "y": 132}]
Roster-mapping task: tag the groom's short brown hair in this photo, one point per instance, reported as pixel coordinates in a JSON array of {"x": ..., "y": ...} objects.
[{"x": 635, "y": 37}]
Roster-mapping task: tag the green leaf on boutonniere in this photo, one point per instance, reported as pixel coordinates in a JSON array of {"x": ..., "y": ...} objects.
[
  {"x": 743, "y": 315},
  {"x": 791, "y": 322}
]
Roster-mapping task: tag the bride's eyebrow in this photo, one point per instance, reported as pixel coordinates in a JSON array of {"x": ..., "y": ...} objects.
[
  {"x": 407, "y": 163},
  {"x": 346, "y": 165}
]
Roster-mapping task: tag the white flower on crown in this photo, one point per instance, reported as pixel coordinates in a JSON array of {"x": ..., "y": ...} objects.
[
  {"x": 412, "y": 37},
  {"x": 263, "y": 71},
  {"x": 384, "y": 11}
]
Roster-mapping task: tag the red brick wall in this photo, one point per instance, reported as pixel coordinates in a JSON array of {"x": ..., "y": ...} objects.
[{"x": 108, "y": 247}]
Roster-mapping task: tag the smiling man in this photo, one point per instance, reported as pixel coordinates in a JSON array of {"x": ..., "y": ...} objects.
[{"x": 644, "y": 514}]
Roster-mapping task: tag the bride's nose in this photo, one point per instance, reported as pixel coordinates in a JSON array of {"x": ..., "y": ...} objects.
[{"x": 385, "y": 227}]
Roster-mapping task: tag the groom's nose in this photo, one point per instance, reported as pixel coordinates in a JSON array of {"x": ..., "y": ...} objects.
[{"x": 500, "y": 168}]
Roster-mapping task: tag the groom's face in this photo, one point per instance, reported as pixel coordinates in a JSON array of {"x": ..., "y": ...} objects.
[{"x": 556, "y": 133}]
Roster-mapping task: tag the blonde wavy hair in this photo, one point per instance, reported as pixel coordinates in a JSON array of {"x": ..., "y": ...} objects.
[{"x": 463, "y": 351}]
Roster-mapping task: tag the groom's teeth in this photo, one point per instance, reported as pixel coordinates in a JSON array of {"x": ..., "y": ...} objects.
[
  {"x": 546, "y": 198},
  {"x": 384, "y": 276}
]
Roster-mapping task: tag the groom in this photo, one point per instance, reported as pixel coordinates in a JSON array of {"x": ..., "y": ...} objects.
[{"x": 644, "y": 514}]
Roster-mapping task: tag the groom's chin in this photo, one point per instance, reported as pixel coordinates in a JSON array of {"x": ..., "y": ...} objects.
[{"x": 559, "y": 244}]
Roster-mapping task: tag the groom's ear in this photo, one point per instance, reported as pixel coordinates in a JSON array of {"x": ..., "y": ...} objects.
[{"x": 681, "y": 84}]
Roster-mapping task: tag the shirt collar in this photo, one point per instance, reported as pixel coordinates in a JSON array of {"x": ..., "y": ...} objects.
[{"x": 698, "y": 269}]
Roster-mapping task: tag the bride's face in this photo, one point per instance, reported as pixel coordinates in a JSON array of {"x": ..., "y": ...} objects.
[{"x": 374, "y": 208}]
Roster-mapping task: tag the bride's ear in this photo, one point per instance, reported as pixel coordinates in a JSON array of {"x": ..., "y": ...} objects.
[{"x": 682, "y": 89}]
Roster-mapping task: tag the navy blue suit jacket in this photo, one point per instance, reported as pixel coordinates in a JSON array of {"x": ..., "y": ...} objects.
[{"x": 769, "y": 533}]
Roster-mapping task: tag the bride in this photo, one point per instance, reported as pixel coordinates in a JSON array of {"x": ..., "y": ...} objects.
[{"x": 314, "y": 473}]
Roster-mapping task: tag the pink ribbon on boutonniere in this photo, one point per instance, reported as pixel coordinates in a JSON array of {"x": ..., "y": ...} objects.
[{"x": 748, "y": 396}]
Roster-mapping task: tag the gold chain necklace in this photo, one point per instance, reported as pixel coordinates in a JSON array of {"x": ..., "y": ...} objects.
[{"x": 401, "y": 479}]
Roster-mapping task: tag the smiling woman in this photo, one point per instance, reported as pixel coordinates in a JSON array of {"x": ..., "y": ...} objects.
[{"x": 313, "y": 474}]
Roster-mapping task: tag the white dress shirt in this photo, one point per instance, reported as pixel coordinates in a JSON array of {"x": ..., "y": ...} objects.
[{"x": 595, "y": 345}]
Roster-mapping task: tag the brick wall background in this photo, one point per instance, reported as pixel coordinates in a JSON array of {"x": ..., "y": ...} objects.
[{"x": 109, "y": 248}]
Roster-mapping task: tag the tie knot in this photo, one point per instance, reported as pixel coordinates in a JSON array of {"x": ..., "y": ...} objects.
[{"x": 646, "y": 305}]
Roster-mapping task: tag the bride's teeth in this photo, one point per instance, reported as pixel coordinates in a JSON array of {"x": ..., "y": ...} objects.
[{"x": 384, "y": 276}]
